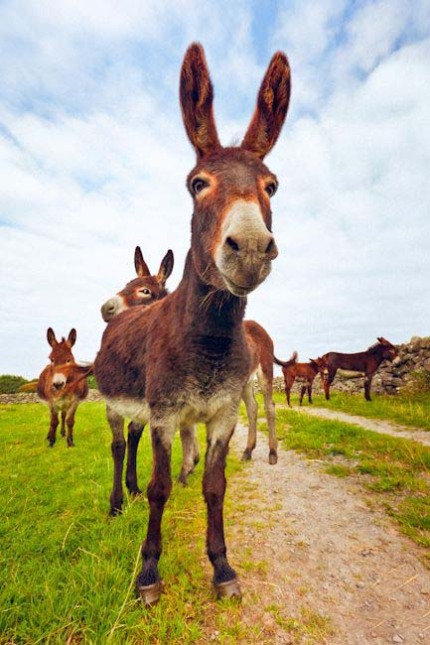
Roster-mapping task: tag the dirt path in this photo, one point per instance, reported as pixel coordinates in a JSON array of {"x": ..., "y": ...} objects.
[
  {"x": 384, "y": 427},
  {"x": 312, "y": 549}
]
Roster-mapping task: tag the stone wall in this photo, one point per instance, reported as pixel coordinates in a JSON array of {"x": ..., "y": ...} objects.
[{"x": 389, "y": 379}]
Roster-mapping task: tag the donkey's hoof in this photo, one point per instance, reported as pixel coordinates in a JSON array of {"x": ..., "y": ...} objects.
[
  {"x": 247, "y": 455},
  {"x": 150, "y": 594},
  {"x": 229, "y": 589},
  {"x": 273, "y": 458}
]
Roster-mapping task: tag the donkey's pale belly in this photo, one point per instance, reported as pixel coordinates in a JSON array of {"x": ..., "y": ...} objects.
[{"x": 196, "y": 409}]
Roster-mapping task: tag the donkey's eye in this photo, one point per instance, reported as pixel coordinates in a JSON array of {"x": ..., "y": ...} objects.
[
  {"x": 271, "y": 188},
  {"x": 198, "y": 184}
]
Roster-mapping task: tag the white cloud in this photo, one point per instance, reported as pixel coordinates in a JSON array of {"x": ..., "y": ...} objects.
[{"x": 94, "y": 158}]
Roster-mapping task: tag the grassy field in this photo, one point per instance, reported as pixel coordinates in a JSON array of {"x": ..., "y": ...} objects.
[
  {"x": 67, "y": 571},
  {"x": 411, "y": 411}
]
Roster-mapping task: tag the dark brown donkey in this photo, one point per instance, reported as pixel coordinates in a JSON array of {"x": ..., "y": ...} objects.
[
  {"x": 303, "y": 372},
  {"x": 142, "y": 291},
  {"x": 366, "y": 362},
  {"x": 63, "y": 385},
  {"x": 185, "y": 358}
]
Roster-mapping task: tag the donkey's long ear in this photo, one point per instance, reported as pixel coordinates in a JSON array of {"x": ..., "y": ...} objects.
[
  {"x": 166, "y": 267},
  {"x": 50, "y": 335},
  {"x": 196, "y": 96},
  {"x": 271, "y": 110},
  {"x": 140, "y": 264},
  {"x": 71, "y": 338}
]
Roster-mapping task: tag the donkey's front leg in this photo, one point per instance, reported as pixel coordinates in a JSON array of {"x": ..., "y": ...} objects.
[
  {"x": 367, "y": 383},
  {"x": 52, "y": 426},
  {"x": 225, "y": 580},
  {"x": 70, "y": 422},
  {"x": 148, "y": 583}
]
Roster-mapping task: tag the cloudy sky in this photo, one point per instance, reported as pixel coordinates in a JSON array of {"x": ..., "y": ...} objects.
[{"x": 93, "y": 159}]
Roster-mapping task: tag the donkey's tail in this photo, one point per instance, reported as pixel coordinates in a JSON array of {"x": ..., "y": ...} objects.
[
  {"x": 292, "y": 361},
  {"x": 31, "y": 386}
]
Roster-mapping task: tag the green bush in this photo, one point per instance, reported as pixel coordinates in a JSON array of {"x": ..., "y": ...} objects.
[
  {"x": 419, "y": 383},
  {"x": 10, "y": 384}
]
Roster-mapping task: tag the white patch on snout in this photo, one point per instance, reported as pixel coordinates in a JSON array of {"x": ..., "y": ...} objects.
[
  {"x": 59, "y": 380},
  {"x": 245, "y": 218},
  {"x": 112, "y": 307}
]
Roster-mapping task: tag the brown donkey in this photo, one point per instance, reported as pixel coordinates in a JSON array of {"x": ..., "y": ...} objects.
[
  {"x": 185, "y": 358},
  {"x": 142, "y": 291},
  {"x": 366, "y": 362},
  {"x": 303, "y": 372},
  {"x": 63, "y": 385}
]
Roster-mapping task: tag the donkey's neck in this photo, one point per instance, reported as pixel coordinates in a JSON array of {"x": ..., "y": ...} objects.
[{"x": 205, "y": 311}]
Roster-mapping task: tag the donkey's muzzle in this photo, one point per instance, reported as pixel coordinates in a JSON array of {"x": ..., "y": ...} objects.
[
  {"x": 246, "y": 250},
  {"x": 111, "y": 308}
]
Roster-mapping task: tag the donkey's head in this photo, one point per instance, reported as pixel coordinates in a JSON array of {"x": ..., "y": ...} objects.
[
  {"x": 143, "y": 290},
  {"x": 320, "y": 365},
  {"x": 388, "y": 351},
  {"x": 232, "y": 241},
  {"x": 61, "y": 353},
  {"x": 61, "y": 357}
]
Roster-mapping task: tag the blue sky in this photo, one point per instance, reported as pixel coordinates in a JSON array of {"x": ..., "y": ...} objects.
[{"x": 93, "y": 160}]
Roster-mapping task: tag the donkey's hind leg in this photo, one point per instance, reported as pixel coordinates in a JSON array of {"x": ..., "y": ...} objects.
[
  {"x": 252, "y": 412},
  {"x": 190, "y": 452},
  {"x": 265, "y": 381},
  {"x": 134, "y": 433},
  {"x": 116, "y": 423}
]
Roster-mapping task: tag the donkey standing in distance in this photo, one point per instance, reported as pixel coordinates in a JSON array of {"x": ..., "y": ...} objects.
[
  {"x": 63, "y": 385},
  {"x": 303, "y": 372},
  {"x": 366, "y": 362},
  {"x": 185, "y": 359}
]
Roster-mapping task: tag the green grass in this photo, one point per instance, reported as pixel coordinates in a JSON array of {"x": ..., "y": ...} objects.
[
  {"x": 395, "y": 470},
  {"x": 67, "y": 571},
  {"x": 411, "y": 411}
]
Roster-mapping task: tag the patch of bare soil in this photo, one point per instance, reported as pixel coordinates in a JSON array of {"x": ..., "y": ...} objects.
[
  {"x": 384, "y": 427},
  {"x": 317, "y": 563}
]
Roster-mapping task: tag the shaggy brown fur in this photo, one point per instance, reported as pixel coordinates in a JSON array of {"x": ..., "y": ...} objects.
[{"x": 185, "y": 359}]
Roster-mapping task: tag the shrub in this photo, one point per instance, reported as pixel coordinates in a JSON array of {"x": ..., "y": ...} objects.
[
  {"x": 419, "y": 383},
  {"x": 10, "y": 384}
]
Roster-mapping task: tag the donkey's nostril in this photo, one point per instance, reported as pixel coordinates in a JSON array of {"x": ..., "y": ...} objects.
[
  {"x": 232, "y": 243},
  {"x": 270, "y": 247}
]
